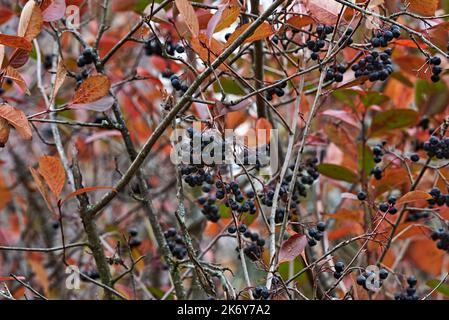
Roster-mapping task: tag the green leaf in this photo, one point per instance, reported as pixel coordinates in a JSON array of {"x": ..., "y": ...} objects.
[
  {"x": 443, "y": 288},
  {"x": 298, "y": 265},
  {"x": 373, "y": 98},
  {"x": 346, "y": 96},
  {"x": 431, "y": 98},
  {"x": 230, "y": 86},
  {"x": 393, "y": 119},
  {"x": 365, "y": 159},
  {"x": 337, "y": 172}
]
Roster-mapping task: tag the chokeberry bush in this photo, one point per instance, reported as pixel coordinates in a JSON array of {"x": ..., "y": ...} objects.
[{"x": 226, "y": 149}]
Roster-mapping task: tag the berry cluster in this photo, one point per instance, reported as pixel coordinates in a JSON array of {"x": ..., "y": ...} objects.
[
  {"x": 366, "y": 278},
  {"x": 335, "y": 73},
  {"x": 175, "y": 243},
  {"x": 316, "y": 45},
  {"x": 346, "y": 39},
  {"x": 87, "y": 57},
  {"x": 410, "y": 292},
  {"x": 307, "y": 174},
  {"x": 339, "y": 267},
  {"x": 261, "y": 292},
  {"x": 153, "y": 47},
  {"x": 382, "y": 37},
  {"x": 436, "y": 147},
  {"x": 277, "y": 90},
  {"x": 316, "y": 234},
  {"x": 254, "y": 248},
  {"x": 389, "y": 206},
  {"x": 438, "y": 198},
  {"x": 442, "y": 238},
  {"x": 435, "y": 62},
  {"x": 376, "y": 66},
  {"x": 177, "y": 84}
]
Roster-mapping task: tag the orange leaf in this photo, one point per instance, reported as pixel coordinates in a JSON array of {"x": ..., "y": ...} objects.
[
  {"x": 425, "y": 254},
  {"x": 413, "y": 196},
  {"x": 299, "y": 21},
  {"x": 83, "y": 190},
  {"x": 17, "y": 119},
  {"x": 41, "y": 187},
  {"x": 423, "y": 7},
  {"x": 61, "y": 74},
  {"x": 14, "y": 75},
  {"x": 263, "y": 128},
  {"x": 5, "y": 193},
  {"x": 4, "y": 132},
  {"x": 409, "y": 43},
  {"x": 15, "y": 42},
  {"x": 263, "y": 31},
  {"x": 209, "y": 52},
  {"x": 223, "y": 18},
  {"x": 52, "y": 170},
  {"x": 5, "y": 14},
  {"x": 188, "y": 13},
  {"x": 92, "y": 89},
  {"x": 31, "y": 21}
]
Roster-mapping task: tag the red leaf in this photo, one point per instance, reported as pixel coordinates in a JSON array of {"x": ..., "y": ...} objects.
[
  {"x": 292, "y": 248},
  {"x": 81, "y": 191},
  {"x": 15, "y": 42},
  {"x": 54, "y": 11},
  {"x": 5, "y": 14}
]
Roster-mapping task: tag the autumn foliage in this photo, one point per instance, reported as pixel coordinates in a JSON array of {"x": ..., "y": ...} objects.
[{"x": 352, "y": 96}]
